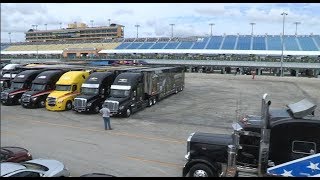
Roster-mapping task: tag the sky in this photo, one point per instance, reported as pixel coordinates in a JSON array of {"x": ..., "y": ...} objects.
[{"x": 189, "y": 19}]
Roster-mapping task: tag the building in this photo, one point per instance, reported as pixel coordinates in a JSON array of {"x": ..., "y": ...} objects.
[{"x": 76, "y": 31}]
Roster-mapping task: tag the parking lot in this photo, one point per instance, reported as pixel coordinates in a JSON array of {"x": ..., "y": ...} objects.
[{"x": 151, "y": 142}]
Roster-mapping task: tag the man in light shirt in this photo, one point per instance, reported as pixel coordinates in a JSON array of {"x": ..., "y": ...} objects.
[{"x": 106, "y": 117}]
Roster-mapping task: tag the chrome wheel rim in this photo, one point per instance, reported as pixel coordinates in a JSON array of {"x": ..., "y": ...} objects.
[
  {"x": 128, "y": 112},
  {"x": 200, "y": 173},
  {"x": 42, "y": 103}
]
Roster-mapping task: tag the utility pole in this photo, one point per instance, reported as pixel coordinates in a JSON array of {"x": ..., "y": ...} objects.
[
  {"x": 172, "y": 30},
  {"x": 252, "y": 24},
  {"x": 297, "y": 26},
  {"x": 211, "y": 24},
  {"x": 284, "y": 15},
  {"x": 137, "y": 26}
]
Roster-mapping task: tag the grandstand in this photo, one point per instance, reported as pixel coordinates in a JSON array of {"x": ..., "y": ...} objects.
[{"x": 265, "y": 45}]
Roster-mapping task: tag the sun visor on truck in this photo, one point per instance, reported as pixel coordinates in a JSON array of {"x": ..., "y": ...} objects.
[{"x": 302, "y": 108}]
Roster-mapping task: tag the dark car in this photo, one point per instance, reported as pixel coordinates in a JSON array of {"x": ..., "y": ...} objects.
[
  {"x": 97, "y": 175},
  {"x": 14, "y": 154}
]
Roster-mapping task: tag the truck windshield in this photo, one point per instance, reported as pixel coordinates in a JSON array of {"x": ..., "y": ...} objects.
[
  {"x": 89, "y": 91},
  {"x": 16, "y": 85},
  {"x": 63, "y": 87},
  {"x": 38, "y": 87},
  {"x": 119, "y": 93}
]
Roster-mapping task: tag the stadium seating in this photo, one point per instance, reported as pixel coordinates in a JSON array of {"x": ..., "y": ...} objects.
[
  {"x": 200, "y": 44},
  {"x": 244, "y": 43},
  {"x": 214, "y": 42},
  {"x": 307, "y": 44},
  {"x": 229, "y": 42},
  {"x": 290, "y": 43},
  {"x": 259, "y": 43},
  {"x": 274, "y": 43}
]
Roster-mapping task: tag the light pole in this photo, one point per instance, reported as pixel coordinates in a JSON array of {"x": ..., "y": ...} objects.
[
  {"x": 297, "y": 26},
  {"x": 36, "y": 26},
  {"x": 9, "y": 37},
  {"x": 60, "y": 25},
  {"x": 46, "y": 26},
  {"x": 284, "y": 15},
  {"x": 252, "y": 24},
  {"x": 137, "y": 26},
  {"x": 109, "y": 21},
  {"x": 211, "y": 24},
  {"x": 91, "y": 23},
  {"x": 172, "y": 30}
]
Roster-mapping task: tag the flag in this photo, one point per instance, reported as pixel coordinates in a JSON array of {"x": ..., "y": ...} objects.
[{"x": 304, "y": 167}]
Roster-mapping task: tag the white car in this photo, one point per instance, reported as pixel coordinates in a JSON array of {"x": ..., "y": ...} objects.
[{"x": 34, "y": 168}]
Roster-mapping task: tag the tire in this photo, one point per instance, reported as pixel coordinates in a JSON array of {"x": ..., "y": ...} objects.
[
  {"x": 202, "y": 170},
  {"x": 127, "y": 112},
  {"x": 42, "y": 103},
  {"x": 96, "y": 109},
  {"x": 69, "y": 105}
]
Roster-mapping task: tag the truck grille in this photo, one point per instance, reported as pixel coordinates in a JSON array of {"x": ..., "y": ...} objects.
[
  {"x": 4, "y": 95},
  {"x": 112, "y": 105},
  {"x": 26, "y": 98},
  {"x": 51, "y": 101},
  {"x": 80, "y": 103}
]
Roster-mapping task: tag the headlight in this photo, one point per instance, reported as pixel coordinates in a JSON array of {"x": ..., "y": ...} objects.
[
  {"x": 34, "y": 98},
  {"x": 121, "y": 107},
  {"x": 89, "y": 104},
  {"x": 60, "y": 101},
  {"x": 11, "y": 96},
  {"x": 188, "y": 142}
]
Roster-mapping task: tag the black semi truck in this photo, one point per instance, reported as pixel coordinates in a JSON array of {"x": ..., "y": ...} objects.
[
  {"x": 97, "y": 88},
  {"x": 257, "y": 143},
  {"x": 93, "y": 92},
  {"x": 134, "y": 91},
  {"x": 20, "y": 84},
  {"x": 41, "y": 87}
]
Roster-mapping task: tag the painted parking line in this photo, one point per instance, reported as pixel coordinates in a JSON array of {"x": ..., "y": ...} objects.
[
  {"x": 104, "y": 131},
  {"x": 154, "y": 161}
]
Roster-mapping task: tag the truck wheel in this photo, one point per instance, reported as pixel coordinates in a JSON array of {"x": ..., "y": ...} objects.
[
  {"x": 69, "y": 105},
  {"x": 128, "y": 112},
  {"x": 96, "y": 109},
  {"x": 201, "y": 170},
  {"x": 42, "y": 103}
]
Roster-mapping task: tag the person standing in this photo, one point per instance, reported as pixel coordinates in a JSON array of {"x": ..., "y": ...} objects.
[{"x": 106, "y": 117}]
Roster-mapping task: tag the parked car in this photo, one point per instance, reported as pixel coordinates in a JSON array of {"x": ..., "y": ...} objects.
[
  {"x": 34, "y": 168},
  {"x": 97, "y": 175},
  {"x": 14, "y": 154}
]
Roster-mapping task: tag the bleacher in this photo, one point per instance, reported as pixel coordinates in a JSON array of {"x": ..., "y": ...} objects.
[{"x": 239, "y": 43}]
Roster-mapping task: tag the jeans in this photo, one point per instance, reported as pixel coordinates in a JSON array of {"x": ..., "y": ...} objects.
[{"x": 107, "y": 122}]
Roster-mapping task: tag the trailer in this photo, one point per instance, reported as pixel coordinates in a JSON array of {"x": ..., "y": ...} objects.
[{"x": 135, "y": 90}]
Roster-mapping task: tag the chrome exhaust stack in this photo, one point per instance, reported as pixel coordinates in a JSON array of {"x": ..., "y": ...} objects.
[{"x": 265, "y": 137}]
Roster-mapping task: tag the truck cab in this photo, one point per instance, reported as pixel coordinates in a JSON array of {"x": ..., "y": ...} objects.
[
  {"x": 67, "y": 88},
  {"x": 93, "y": 92},
  {"x": 126, "y": 95},
  {"x": 41, "y": 87},
  {"x": 20, "y": 84},
  {"x": 258, "y": 142}
]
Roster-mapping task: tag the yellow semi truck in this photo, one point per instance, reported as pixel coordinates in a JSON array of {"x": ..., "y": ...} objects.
[{"x": 67, "y": 88}]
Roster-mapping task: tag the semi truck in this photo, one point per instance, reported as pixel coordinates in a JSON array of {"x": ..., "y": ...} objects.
[
  {"x": 41, "y": 87},
  {"x": 93, "y": 92},
  {"x": 20, "y": 84},
  {"x": 67, "y": 88},
  {"x": 276, "y": 137},
  {"x": 136, "y": 90},
  {"x": 97, "y": 88}
]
